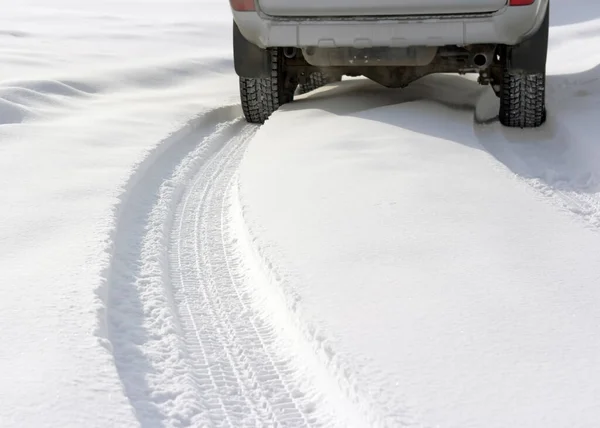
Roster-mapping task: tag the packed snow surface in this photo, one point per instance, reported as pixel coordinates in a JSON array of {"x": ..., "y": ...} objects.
[{"x": 367, "y": 258}]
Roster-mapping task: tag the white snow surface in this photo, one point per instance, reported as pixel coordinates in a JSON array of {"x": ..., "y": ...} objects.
[{"x": 367, "y": 258}]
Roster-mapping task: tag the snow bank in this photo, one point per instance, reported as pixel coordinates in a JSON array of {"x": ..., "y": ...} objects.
[{"x": 448, "y": 268}]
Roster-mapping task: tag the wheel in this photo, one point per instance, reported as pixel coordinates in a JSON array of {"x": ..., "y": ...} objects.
[
  {"x": 522, "y": 99},
  {"x": 315, "y": 81},
  {"x": 260, "y": 97},
  {"x": 523, "y": 80}
]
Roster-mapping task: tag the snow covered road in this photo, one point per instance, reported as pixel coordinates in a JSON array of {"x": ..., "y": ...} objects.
[{"x": 367, "y": 258}]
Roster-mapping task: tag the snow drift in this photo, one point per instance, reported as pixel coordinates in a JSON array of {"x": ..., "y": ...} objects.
[{"x": 368, "y": 257}]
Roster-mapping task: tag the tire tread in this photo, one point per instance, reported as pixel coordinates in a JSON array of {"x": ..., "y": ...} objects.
[
  {"x": 522, "y": 100},
  {"x": 260, "y": 97}
]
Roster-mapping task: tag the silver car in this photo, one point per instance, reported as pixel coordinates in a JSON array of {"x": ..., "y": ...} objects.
[{"x": 285, "y": 47}]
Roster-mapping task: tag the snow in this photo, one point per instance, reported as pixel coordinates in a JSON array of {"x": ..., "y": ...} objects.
[
  {"x": 468, "y": 299},
  {"x": 368, "y": 257},
  {"x": 87, "y": 91}
]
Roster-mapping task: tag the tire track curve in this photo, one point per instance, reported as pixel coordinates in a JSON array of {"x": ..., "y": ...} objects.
[
  {"x": 139, "y": 323},
  {"x": 551, "y": 162},
  {"x": 249, "y": 387},
  {"x": 249, "y": 362},
  {"x": 349, "y": 402},
  {"x": 192, "y": 341}
]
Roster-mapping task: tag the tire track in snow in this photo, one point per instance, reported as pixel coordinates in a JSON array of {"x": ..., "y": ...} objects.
[
  {"x": 140, "y": 322},
  {"x": 249, "y": 387},
  {"x": 548, "y": 161},
  {"x": 258, "y": 369},
  {"x": 191, "y": 342},
  {"x": 577, "y": 201},
  {"x": 552, "y": 160},
  {"x": 350, "y": 405}
]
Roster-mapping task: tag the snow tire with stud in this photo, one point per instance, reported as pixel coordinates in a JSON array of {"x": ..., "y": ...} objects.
[
  {"x": 260, "y": 97},
  {"x": 522, "y": 79},
  {"x": 522, "y": 99}
]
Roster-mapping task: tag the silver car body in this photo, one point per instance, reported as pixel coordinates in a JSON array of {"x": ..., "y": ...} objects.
[{"x": 388, "y": 23}]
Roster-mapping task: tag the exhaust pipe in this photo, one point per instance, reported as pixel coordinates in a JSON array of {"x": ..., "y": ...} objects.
[{"x": 480, "y": 60}]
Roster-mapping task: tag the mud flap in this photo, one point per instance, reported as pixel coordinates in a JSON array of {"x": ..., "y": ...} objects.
[
  {"x": 249, "y": 60},
  {"x": 530, "y": 55}
]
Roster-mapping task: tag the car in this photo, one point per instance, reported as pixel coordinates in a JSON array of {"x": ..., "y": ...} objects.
[{"x": 285, "y": 47}]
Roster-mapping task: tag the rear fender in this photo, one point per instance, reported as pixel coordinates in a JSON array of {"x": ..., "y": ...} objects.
[
  {"x": 530, "y": 55},
  {"x": 249, "y": 60}
]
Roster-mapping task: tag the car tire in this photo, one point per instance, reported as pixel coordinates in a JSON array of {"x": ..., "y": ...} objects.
[
  {"x": 260, "y": 97},
  {"x": 316, "y": 80},
  {"x": 523, "y": 80},
  {"x": 522, "y": 99}
]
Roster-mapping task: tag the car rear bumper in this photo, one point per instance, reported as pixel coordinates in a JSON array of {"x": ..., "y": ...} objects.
[{"x": 509, "y": 25}]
